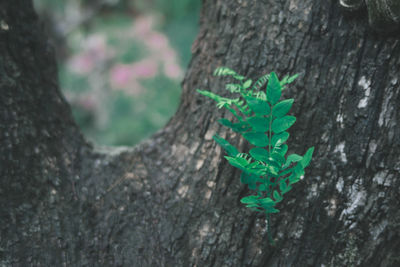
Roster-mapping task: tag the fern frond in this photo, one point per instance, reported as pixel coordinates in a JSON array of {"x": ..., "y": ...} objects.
[
  {"x": 263, "y": 123},
  {"x": 234, "y": 87},
  {"x": 244, "y": 156},
  {"x": 234, "y": 113},
  {"x": 224, "y": 71},
  {"x": 221, "y": 101},
  {"x": 287, "y": 80},
  {"x": 243, "y": 107},
  {"x": 260, "y": 95},
  {"x": 260, "y": 82},
  {"x": 225, "y": 102}
]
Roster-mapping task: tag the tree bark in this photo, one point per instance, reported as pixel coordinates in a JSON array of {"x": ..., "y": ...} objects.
[{"x": 173, "y": 200}]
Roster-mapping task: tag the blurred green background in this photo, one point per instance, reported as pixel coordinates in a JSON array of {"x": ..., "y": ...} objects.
[{"x": 121, "y": 62}]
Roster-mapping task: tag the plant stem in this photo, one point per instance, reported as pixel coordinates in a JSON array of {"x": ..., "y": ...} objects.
[
  {"x": 269, "y": 132},
  {"x": 270, "y": 240}
]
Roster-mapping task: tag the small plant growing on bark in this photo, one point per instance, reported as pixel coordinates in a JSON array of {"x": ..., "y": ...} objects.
[{"x": 261, "y": 118}]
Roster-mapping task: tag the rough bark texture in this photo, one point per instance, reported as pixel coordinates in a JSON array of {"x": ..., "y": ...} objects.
[
  {"x": 383, "y": 15},
  {"x": 173, "y": 200}
]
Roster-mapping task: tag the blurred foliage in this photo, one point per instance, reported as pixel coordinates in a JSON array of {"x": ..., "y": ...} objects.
[{"x": 121, "y": 62}]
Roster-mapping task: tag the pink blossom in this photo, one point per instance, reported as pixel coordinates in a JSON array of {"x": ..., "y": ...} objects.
[
  {"x": 143, "y": 26},
  {"x": 81, "y": 64},
  {"x": 94, "y": 52},
  {"x": 144, "y": 69},
  {"x": 87, "y": 102},
  {"x": 121, "y": 74},
  {"x": 134, "y": 88},
  {"x": 169, "y": 55},
  {"x": 156, "y": 41},
  {"x": 96, "y": 46},
  {"x": 173, "y": 71}
]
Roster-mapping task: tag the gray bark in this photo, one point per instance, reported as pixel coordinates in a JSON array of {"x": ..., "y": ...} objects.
[
  {"x": 383, "y": 15},
  {"x": 173, "y": 200}
]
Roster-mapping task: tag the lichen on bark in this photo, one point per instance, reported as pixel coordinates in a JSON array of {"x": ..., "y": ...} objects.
[{"x": 383, "y": 15}]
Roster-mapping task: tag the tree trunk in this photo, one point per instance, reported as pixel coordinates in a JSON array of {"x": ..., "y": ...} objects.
[{"x": 173, "y": 200}]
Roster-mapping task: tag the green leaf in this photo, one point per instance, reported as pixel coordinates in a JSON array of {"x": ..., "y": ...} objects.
[
  {"x": 277, "y": 196},
  {"x": 247, "y": 84},
  {"x": 292, "y": 78},
  {"x": 221, "y": 101},
  {"x": 236, "y": 127},
  {"x": 273, "y": 89},
  {"x": 260, "y": 95},
  {"x": 297, "y": 174},
  {"x": 288, "y": 189},
  {"x": 268, "y": 205},
  {"x": 262, "y": 171},
  {"x": 278, "y": 158},
  {"x": 250, "y": 200},
  {"x": 238, "y": 162},
  {"x": 271, "y": 210},
  {"x": 293, "y": 179},
  {"x": 254, "y": 207},
  {"x": 292, "y": 158},
  {"x": 282, "y": 124},
  {"x": 266, "y": 202},
  {"x": 233, "y": 87},
  {"x": 209, "y": 94},
  {"x": 255, "y": 168},
  {"x": 283, "y": 107},
  {"x": 230, "y": 149},
  {"x": 253, "y": 165},
  {"x": 279, "y": 139},
  {"x": 299, "y": 170},
  {"x": 262, "y": 187},
  {"x": 225, "y": 102},
  {"x": 271, "y": 168},
  {"x": 258, "y": 106},
  {"x": 225, "y": 122},
  {"x": 244, "y": 108},
  {"x": 281, "y": 149},
  {"x": 224, "y": 71},
  {"x": 257, "y": 139},
  {"x": 259, "y": 124},
  {"x": 283, "y": 173},
  {"x": 307, "y": 157},
  {"x": 287, "y": 80},
  {"x": 250, "y": 180},
  {"x": 284, "y": 187},
  {"x": 260, "y": 82},
  {"x": 259, "y": 154}
]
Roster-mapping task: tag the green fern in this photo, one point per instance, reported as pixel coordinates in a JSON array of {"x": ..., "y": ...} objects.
[
  {"x": 223, "y": 71},
  {"x": 260, "y": 82},
  {"x": 263, "y": 121}
]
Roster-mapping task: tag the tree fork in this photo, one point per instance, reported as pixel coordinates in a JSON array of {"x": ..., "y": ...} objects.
[{"x": 172, "y": 200}]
